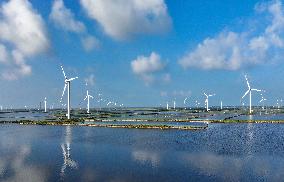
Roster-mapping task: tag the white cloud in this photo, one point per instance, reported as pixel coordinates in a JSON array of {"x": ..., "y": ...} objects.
[
  {"x": 176, "y": 93},
  {"x": 90, "y": 80},
  {"x": 144, "y": 65},
  {"x": 122, "y": 19},
  {"x": 23, "y": 29},
  {"x": 3, "y": 54},
  {"x": 147, "y": 67},
  {"x": 64, "y": 18},
  {"x": 234, "y": 50},
  {"x": 90, "y": 42}
]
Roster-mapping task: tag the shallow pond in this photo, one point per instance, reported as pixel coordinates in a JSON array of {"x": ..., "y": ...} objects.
[{"x": 223, "y": 152}]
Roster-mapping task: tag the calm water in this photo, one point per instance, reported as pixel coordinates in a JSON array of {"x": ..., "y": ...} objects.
[
  {"x": 31, "y": 115},
  {"x": 224, "y": 152}
]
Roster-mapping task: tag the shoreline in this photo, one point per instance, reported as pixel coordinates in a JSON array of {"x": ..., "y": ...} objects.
[
  {"x": 111, "y": 125},
  {"x": 133, "y": 125}
]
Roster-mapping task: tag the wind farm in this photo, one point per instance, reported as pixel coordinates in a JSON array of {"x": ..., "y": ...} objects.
[
  {"x": 141, "y": 90},
  {"x": 106, "y": 112}
]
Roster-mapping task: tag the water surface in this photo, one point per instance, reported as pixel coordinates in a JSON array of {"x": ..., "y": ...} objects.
[{"x": 223, "y": 152}]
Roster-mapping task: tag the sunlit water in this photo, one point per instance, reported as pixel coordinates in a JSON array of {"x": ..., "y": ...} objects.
[{"x": 223, "y": 152}]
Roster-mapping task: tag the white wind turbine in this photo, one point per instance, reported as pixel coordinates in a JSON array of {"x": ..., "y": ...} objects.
[
  {"x": 249, "y": 92},
  {"x": 207, "y": 100},
  {"x": 68, "y": 85},
  {"x": 88, "y": 99},
  {"x": 262, "y": 101}
]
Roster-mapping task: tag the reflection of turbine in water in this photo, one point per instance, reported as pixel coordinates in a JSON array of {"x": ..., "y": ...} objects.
[
  {"x": 68, "y": 162},
  {"x": 250, "y": 136}
]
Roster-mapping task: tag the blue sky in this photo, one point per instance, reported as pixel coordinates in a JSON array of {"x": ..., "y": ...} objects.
[{"x": 140, "y": 53}]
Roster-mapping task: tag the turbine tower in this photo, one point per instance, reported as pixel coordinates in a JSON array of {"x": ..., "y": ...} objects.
[
  {"x": 88, "y": 99},
  {"x": 68, "y": 85},
  {"x": 45, "y": 104},
  {"x": 249, "y": 92},
  {"x": 207, "y": 100}
]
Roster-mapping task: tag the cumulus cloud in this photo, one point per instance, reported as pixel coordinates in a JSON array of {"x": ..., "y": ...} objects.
[
  {"x": 122, "y": 19},
  {"x": 64, "y": 19},
  {"x": 233, "y": 50},
  {"x": 22, "y": 35},
  {"x": 143, "y": 64},
  {"x": 147, "y": 67}
]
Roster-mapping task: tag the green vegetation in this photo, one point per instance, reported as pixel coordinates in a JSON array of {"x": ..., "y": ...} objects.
[{"x": 144, "y": 126}]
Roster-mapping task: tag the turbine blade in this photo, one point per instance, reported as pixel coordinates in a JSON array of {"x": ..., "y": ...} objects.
[
  {"x": 86, "y": 97},
  {"x": 91, "y": 96},
  {"x": 184, "y": 100},
  {"x": 245, "y": 94},
  {"x": 247, "y": 81},
  {"x": 72, "y": 79},
  {"x": 63, "y": 92},
  {"x": 256, "y": 90},
  {"x": 205, "y": 94},
  {"x": 63, "y": 72}
]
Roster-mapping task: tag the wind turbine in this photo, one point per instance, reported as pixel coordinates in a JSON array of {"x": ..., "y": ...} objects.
[
  {"x": 207, "y": 100},
  {"x": 68, "y": 85},
  {"x": 45, "y": 104},
  {"x": 262, "y": 101},
  {"x": 167, "y": 105},
  {"x": 221, "y": 105},
  {"x": 184, "y": 102},
  {"x": 249, "y": 92},
  {"x": 88, "y": 104}
]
